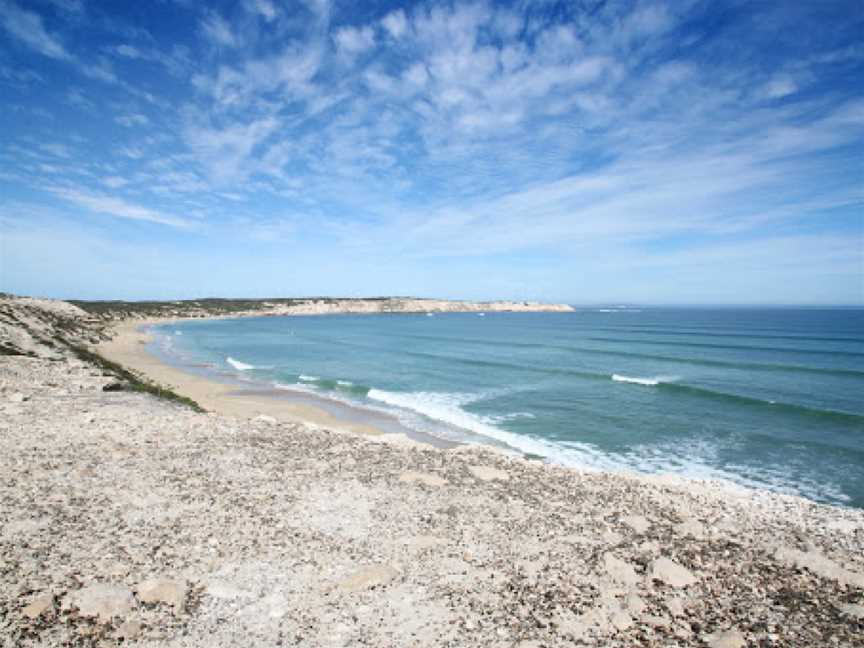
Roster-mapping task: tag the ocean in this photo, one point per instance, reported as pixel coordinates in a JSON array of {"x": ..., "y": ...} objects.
[{"x": 767, "y": 398}]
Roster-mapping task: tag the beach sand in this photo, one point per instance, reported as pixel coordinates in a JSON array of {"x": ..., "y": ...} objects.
[
  {"x": 128, "y": 347},
  {"x": 126, "y": 518}
]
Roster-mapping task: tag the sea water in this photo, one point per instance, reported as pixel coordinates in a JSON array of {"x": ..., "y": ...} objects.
[{"x": 768, "y": 398}]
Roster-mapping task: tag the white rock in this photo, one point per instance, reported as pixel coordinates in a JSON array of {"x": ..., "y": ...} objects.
[
  {"x": 726, "y": 639},
  {"x": 369, "y": 576},
  {"x": 102, "y": 601},
  {"x": 636, "y": 522},
  {"x": 485, "y": 473},
  {"x": 671, "y": 573},
  {"x": 852, "y": 610},
  {"x": 264, "y": 418},
  {"x": 820, "y": 565},
  {"x": 163, "y": 590},
  {"x": 423, "y": 478},
  {"x": 620, "y": 571},
  {"x": 39, "y": 606}
]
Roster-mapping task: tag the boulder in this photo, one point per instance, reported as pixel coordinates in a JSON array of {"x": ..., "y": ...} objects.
[
  {"x": 39, "y": 606},
  {"x": 163, "y": 590},
  {"x": 620, "y": 571},
  {"x": 102, "y": 601},
  {"x": 726, "y": 639}
]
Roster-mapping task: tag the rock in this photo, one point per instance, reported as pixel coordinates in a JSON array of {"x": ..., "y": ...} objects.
[
  {"x": 636, "y": 522},
  {"x": 423, "y": 478},
  {"x": 102, "y": 601},
  {"x": 18, "y": 398},
  {"x": 369, "y": 576},
  {"x": 620, "y": 571},
  {"x": 264, "y": 418},
  {"x": 676, "y": 607},
  {"x": 129, "y": 630},
  {"x": 852, "y": 610},
  {"x": 725, "y": 639},
  {"x": 635, "y": 604},
  {"x": 818, "y": 564},
  {"x": 671, "y": 573},
  {"x": 485, "y": 473},
  {"x": 621, "y": 620},
  {"x": 39, "y": 606},
  {"x": 115, "y": 386},
  {"x": 690, "y": 528},
  {"x": 163, "y": 590}
]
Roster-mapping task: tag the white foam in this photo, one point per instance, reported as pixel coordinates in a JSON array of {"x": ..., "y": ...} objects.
[
  {"x": 306, "y": 378},
  {"x": 239, "y": 366},
  {"x": 344, "y": 383},
  {"x": 650, "y": 382},
  {"x": 178, "y": 332}
]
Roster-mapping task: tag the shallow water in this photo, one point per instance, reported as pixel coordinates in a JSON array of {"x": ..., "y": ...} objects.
[{"x": 770, "y": 398}]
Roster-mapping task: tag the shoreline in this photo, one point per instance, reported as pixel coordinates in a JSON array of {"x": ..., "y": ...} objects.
[
  {"x": 131, "y": 518},
  {"x": 128, "y": 347}
]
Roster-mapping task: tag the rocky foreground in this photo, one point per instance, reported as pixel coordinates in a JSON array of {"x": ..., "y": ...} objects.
[{"x": 128, "y": 519}]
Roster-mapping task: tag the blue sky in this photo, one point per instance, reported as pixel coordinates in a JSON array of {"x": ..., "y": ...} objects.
[{"x": 651, "y": 152}]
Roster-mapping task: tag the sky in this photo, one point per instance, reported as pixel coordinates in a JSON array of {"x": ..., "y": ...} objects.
[{"x": 688, "y": 152}]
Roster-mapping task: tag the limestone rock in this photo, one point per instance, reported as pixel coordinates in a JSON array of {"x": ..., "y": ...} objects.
[
  {"x": 18, "y": 398},
  {"x": 486, "y": 473},
  {"x": 369, "y": 576},
  {"x": 163, "y": 590},
  {"x": 620, "y": 571},
  {"x": 129, "y": 630},
  {"x": 820, "y": 565},
  {"x": 264, "y": 418},
  {"x": 102, "y": 601},
  {"x": 671, "y": 573},
  {"x": 852, "y": 610},
  {"x": 638, "y": 523},
  {"x": 39, "y": 606},
  {"x": 423, "y": 478},
  {"x": 726, "y": 639}
]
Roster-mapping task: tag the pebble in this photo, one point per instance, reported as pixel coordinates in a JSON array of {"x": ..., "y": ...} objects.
[
  {"x": 163, "y": 590},
  {"x": 39, "y": 606},
  {"x": 726, "y": 639}
]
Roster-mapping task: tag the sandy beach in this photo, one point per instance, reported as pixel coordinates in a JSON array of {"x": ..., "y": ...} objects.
[
  {"x": 128, "y": 348},
  {"x": 127, "y": 519}
]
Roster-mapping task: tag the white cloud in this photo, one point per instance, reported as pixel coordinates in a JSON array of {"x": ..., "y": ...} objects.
[
  {"x": 780, "y": 86},
  {"x": 115, "y": 182},
  {"x": 351, "y": 41},
  {"x": 116, "y": 207},
  {"x": 27, "y": 27},
  {"x": 217, "y": 30},
  {"x": 133, "y": 119},
  {"x": 395, "y": 23}
]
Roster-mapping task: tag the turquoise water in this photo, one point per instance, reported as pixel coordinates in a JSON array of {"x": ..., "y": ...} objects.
[{"x": 766, "y": 398}]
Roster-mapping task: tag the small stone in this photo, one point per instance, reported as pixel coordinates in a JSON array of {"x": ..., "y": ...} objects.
[
  {"x": 671, "y": 573},
  {"x": 852, "y": 610},
  {"x": 18, "y": 398},
  {"x": 726, "y": 639},
  {"x": 675, "y": 607},
  {"x": 102, "y": 601},
  {"x": 620, "y": 571},
  {"x": 635, "y": 604},
  {"x": 129, "y": 630},
  {"x": 163, "y": 590},
  {"x": 424, "y": 478},
  {"x": 638, "y": 523},
  {"x": 621, "y": 620},
  {"x": 690, "y": 528},
  {"x": 39, "y": 606},
  {"x": 485, "y": 473},
  {"x": 370, "y": 576}
]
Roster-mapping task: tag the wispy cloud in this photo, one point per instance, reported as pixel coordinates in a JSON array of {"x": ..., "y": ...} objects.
[
  {"x": 27, "y": 27},
  {"x": 117, "y": 207}
]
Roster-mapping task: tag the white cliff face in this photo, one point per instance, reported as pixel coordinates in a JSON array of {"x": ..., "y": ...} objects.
[{"x": 399, "y": 305}]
